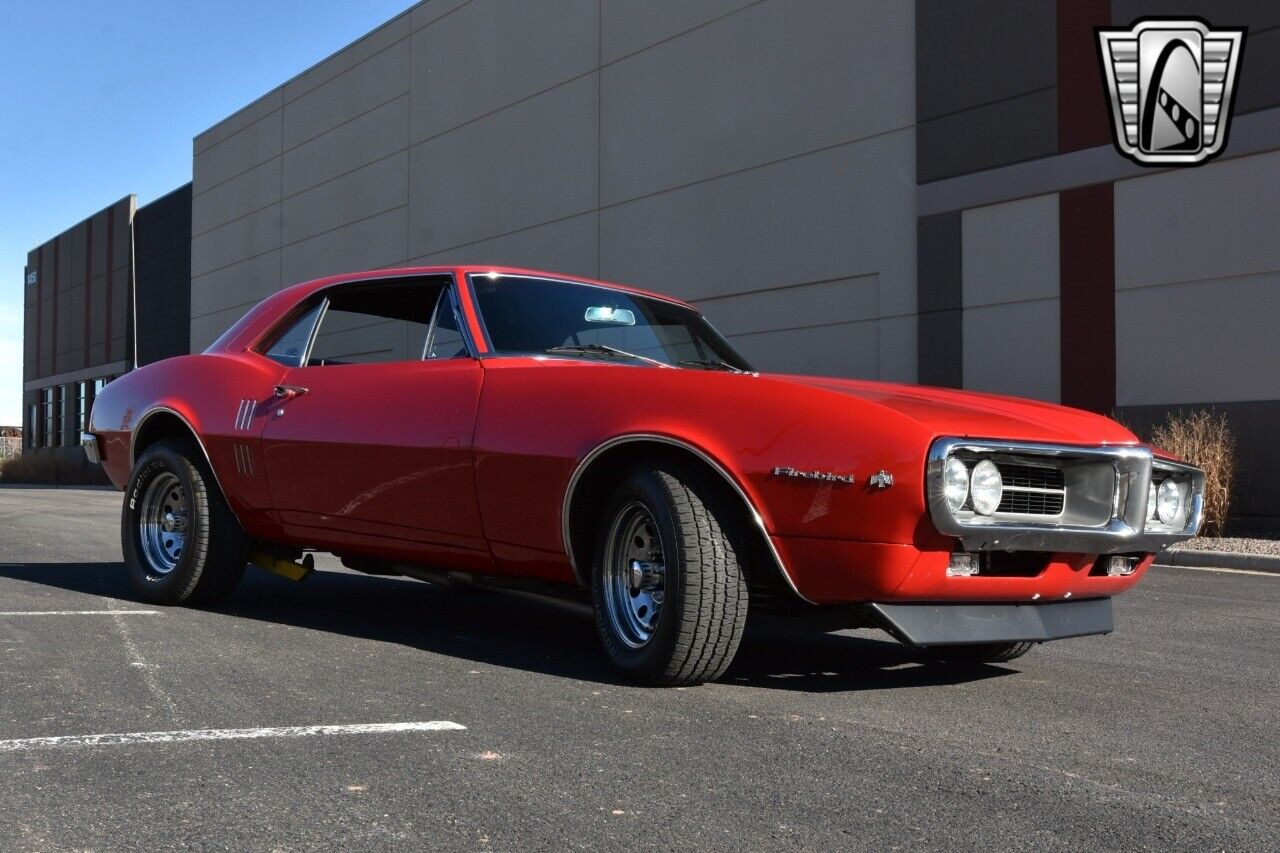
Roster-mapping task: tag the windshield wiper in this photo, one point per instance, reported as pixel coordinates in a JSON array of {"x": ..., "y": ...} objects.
[
  {"x": 712, "y": 364},
  {"x": 602, "y": 349}
]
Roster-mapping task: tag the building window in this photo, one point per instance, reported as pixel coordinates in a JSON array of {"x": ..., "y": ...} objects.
[
  {"x": 65, "y": 419},
  {"x": 33, "y": 426},
  {"x": 50, "y": 424},
  {"x": 82, "y": 410}
]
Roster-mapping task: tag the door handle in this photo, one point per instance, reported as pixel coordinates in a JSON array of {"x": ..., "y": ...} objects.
[{"x": 288, "y": 392}]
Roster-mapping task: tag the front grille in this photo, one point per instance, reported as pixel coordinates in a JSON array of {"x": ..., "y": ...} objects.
[
  {"x": 1031, "y": 503},
  {"x": 1030, "y": 476},
  {"x": 1031, "y": 489}
]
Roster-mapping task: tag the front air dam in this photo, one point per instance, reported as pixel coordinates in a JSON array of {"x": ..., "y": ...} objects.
[{"x": 964, "y": 624}]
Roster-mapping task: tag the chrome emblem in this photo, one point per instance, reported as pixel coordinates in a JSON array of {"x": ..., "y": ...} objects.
[
  {"x": 822, "y": 476},
  {"x": 882, "y": 479},
  {"x": 1171, "y": 84}
]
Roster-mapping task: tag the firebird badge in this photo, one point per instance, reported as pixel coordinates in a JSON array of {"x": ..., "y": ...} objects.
[
  {"x": 822, "y": 476},
  {"x": 1171, "y": 85},
  {"x": 882, "y": 479}
]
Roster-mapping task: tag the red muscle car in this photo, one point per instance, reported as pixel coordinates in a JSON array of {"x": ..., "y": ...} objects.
[{"x": 511, "y": 427}]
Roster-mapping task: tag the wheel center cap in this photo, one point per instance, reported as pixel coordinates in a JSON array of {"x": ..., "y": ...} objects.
[
  {"x": 168, "y": 522},
  {"x": 644, "y": 575}
]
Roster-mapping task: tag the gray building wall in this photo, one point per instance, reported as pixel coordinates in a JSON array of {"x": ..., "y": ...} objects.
[{"x": 756, "y": 157}]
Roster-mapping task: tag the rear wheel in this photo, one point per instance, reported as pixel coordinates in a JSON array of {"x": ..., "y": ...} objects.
[
  {"x": 181, "y": 543},
  {"x": 983, "y": 652},
  {"x": 669, "y": 591}
]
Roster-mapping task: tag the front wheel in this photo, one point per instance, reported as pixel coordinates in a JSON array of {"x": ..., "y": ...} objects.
[
  {"x": 669, "y": 591},
  {"x": 181, "y": 542}
]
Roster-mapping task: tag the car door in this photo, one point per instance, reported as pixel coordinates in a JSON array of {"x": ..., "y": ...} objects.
[{"x": 369, "y": 436}]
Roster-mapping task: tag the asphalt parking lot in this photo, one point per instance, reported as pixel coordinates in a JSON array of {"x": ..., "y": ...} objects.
[{"x": 1162, "y": 735}]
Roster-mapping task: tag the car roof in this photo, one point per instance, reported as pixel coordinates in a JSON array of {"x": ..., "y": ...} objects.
[
  {"x": 267, "y": 312},
  {"x": 308, "y": 287}
]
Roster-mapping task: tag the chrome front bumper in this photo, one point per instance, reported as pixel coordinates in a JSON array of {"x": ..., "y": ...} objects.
[
  {"x": 92, "y": 449},
  {"x": 1110, "y": 520}
]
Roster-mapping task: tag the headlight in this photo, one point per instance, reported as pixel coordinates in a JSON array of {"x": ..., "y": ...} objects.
[
  {"x": 985, "y": 487},
  {"x": 1151, "y": 500},
  {"x": 955, "y": 483},
  {"x": 1168, "y": 502}
]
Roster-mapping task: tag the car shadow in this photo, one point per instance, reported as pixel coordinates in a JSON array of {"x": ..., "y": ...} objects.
[{"x": 527, "y": 632}]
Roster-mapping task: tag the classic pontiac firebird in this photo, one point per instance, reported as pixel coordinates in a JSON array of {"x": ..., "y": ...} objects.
[{"x": 511, "y": 427}]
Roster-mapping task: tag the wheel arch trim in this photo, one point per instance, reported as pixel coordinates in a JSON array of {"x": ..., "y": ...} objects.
[
  {"x": 704, "y": 456},
  {"x": 158, "y": 410}
]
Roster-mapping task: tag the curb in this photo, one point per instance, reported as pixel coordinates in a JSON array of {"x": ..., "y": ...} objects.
[{"x": 1220, "y": 560}]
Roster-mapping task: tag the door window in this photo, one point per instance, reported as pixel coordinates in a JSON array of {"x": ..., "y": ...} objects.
[{"x": 374, "y": 323}]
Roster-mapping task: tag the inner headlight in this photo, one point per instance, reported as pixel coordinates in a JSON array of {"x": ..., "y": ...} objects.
[
  {"x": 1168, "y": 502},
  {"x": 955, "y": 483},
  {"x": 985, "y": 487}
]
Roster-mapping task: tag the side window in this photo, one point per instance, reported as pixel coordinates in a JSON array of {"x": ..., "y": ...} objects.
[
  {"x": 291, "y": 347},
  {"x": 375, "y": 323},
  {"x": 445, "y": 339}
]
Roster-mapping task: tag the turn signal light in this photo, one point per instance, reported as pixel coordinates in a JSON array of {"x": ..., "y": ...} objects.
[{"x": 962, "y": 565}]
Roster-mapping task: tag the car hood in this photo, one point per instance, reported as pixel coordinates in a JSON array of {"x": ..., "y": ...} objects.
[{"x": 972, "y": 414}]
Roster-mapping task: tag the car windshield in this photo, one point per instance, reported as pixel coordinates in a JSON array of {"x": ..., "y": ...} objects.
[{"x": 525, "y": 315}]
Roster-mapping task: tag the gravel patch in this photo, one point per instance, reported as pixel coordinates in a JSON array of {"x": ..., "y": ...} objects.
[{"x": 1264, "y": 547}]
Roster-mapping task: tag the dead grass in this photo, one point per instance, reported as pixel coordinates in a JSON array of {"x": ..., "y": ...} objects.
[
  {"x": 1204, "y": 439},
  {"x": 51, "y": 467}
]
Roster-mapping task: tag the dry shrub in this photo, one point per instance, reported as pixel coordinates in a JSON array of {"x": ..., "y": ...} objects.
[
  {"x": 1204, "y": 439},
  {"x": 29, "y": 468},
  {"x": 50, "y": 467}
]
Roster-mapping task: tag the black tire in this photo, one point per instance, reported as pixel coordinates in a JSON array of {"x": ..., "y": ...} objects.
[
  {"x": 983, "y": 653},
  {"x": 704, "y": 606},
  {"x": 214, "y": 551}
]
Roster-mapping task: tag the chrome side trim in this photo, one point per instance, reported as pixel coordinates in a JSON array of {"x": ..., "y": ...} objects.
[
  {"x": 92, "y": 450},
  {"x": 155, "y": 410},
  {"x": 1125, "y": 531},
  {"x": 663, "y": 439}
]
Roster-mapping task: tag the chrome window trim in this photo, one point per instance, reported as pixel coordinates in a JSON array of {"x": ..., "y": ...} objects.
[
  {"x": 675, "y": 442},
  {"x": 315, "y": 333},
  {"x": 1125, "y": 531}
]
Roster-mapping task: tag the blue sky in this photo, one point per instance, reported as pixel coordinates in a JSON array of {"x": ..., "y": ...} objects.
[{"x": 100, "y": 100}]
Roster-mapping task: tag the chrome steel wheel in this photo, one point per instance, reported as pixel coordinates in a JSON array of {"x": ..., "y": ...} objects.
[
  {"x": 162, "y": 523},
  {"x": 634, "y": 575}
]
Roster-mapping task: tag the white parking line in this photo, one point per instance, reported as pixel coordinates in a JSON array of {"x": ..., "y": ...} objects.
[
  {"x": 79, "y": 613},
  {"x": 185, "y": 735},
  {"x": 1218, "y": 571}
]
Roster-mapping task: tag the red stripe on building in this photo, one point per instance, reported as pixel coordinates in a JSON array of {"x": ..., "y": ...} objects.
[
  {"x": 53, "y": 352},
  {"x": 1083, "y": 120},
  {"x": 88, "y": 279},
  {"x": 111, "y": 274},
  {"x": 39, "y": 303},
  {"x": 1087, "y": 265}
]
